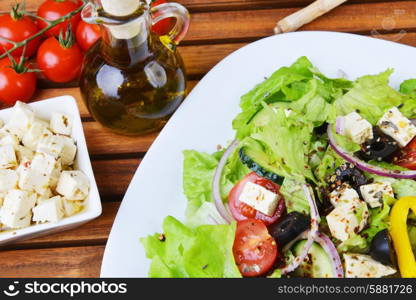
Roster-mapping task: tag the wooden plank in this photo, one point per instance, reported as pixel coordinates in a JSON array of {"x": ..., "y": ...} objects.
[
  {"x": 254, "y": 24},
  {"x": 206, "y": 5},
  {"x": 92, "y": 233},
  {"x": 113, "y": 176},
  {"x": 52, "y": 262}
]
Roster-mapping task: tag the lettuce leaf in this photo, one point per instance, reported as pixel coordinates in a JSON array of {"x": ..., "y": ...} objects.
[
  {"x": 198, "y": 172},
  {"x": 281, "y": 136},
  {"x": 295, "y": 199},
  {"x": 183, "y": 253},
  {"x": 370, "y": 96}
]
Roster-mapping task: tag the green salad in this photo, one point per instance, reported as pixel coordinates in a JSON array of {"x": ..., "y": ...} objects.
[{"x": 319, "y": 182}]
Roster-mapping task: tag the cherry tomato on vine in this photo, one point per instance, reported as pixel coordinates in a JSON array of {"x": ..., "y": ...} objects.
[
  {"x": 52, "y": 10},
  {"x": 17, "y": 82},
  {"x": 60, "y": 60},
  {"x": 163, "y": 27},
  {"x": 254, "y": 249},
  {"x": 87, "y": 35},
  {"x": 241, "y": 211},
  {"x": 17, "y": 27}
]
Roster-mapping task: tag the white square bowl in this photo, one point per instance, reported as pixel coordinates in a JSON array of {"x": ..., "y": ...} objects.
[{"x": 92, "y": 208}]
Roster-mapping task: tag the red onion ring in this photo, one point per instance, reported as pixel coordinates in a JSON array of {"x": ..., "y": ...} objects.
[
  {"x": 366, "y": 166},
  {"x": 329, "y": 248},
  {"x": 311, "y": 233},
  {"x": 216, "y": 192}
]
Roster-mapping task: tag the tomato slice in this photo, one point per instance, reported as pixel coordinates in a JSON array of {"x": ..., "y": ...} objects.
[
  {"x": 241, "y": 211},
  {"x": 407, "y": 157},
  {"x": 255, "y": 250}
]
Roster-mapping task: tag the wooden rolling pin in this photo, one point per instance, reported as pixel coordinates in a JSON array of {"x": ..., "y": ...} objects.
[{"x": 306, "y": 15}]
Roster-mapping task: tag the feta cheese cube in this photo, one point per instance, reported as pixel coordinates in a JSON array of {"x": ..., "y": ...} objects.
[
  {"x": 69, "y": 150},
  {"x": 72, "y": 207},
  {"x": 16, "y": 209},
  {"x": 21, "y": 119},
  {"x": 46, "y": 196},
  {"x": 357, "y": 128},
  {"x": 1, "y": 123},
  {"x": 400, "y": 128},
  {"x": 363, "y": 266},
  {"x": 373, "y": 193},
  {"x": 36, "y": 175},
  {"x": 347, "y": 219},
  {"x": 52, "y": 145},
  {"x": 259, "y": 198},
  {"x": 8, "y": 180},
  {"x": 7, "y": 157},
  {"x": 61, "y": 124},
  {"x": 35, "y": 134},
  {"x": 56, "y": 173},
  {"x": 73, "y": 185},
  {"x": 50, "y": 210},
  {"x": 24, "y": 154},
  {"x": 8, "y": 139},
  {"x": 343, "y": 195}
]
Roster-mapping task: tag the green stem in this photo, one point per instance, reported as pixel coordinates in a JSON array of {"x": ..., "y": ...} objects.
[{"x": 39, "y": 33}]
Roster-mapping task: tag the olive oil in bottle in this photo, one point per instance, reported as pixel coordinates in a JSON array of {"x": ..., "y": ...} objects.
[{"x": 133, "y": 80}]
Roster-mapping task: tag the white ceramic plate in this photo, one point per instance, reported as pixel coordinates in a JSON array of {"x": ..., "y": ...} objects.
[
  {"x": 204, "y": 121},
  {"x": 44, "y": 109}
]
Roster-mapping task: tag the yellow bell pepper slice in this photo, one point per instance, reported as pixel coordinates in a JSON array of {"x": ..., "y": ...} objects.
[{"x": 400, "y": 236}]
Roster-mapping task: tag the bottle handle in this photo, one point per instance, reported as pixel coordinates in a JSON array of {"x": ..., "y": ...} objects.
[{"x": 172, "y": 10}]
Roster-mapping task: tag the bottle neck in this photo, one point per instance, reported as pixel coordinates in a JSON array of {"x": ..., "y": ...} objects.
[{"x": 127, "y": 44}]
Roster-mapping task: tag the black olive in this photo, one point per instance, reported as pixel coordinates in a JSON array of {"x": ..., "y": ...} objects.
[
  {"x": 290, "y": 227},
  {"x": 321, "y": 129},
  {"x": 381, "y": 248},
  {"x": 347, "y": 173},
  {"x": 380, "y": 148}
]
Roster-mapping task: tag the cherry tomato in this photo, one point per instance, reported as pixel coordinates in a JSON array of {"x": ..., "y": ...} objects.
[
  {"x": 163, "y": 27},
  {"x": 15, "y": 85},
  {"x": 242, "y": 211},
  {"x": 55, "y": 9},
  {"x": 87, "y": 34},
  {"x": 57, "y": 63},
  {"x": 16, "y": 27},
  {"x": 407, "y": 157},
  {"x": 255, "y": 250}
]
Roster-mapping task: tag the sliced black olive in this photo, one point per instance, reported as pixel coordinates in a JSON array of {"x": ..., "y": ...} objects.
[
  {"x": 290, "y": 227},
  {"x": 381, "y": 248},
  {"x": 347, "y": 173},
  {"x": 380, "y": 148}
]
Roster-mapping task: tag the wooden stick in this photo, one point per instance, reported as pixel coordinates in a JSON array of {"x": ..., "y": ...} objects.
[{"x": 306, "y": 15}]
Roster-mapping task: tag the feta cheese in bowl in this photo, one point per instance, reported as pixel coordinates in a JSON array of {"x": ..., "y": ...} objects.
[{"x": 46, "y": 179}]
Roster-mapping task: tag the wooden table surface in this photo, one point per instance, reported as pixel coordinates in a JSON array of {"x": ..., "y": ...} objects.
[{"x": 218, "y": 27}]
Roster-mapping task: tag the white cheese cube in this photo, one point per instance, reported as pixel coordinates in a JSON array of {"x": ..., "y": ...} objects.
[
  {"x": 400, "y": 128},
  {"x": 357, "y": 128},
  {"x": 8, "y": 139},
  {"x": 24, "y": 154},
  {"x": 69, "y": 150},
  {"x": 347, "y": 219},
  {"x": 21, "y": 119},
  {"x": 56, "y": 173},
  {"x": 61, "y": 124},
  {"x": 52, "y": 145},
  {"x": 363, "y": 266},
  {"x": 8, "y": 180},
  {"x": 36, "y": 175},
  {"x": 373, "y": 193},
  {"x": 7, "y": 157},
  {"x": 259, "y": 198},
  {"x": 46, "y": 196},
  {"x": 35, "y": 134},
  {"x": 1, "y": 123},
  {"x": 2, "y": 196},
  {"x": 72, "y": 207},
  {"x": 343, "y": 195},
  {"x": 73, "y": 185},
  {"x": 16, "y": 208},
  {"x": 50, "y": 210}
]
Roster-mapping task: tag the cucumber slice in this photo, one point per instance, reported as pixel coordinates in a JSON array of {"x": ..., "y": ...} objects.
[
  {"x": 256, "y": 160},
  {"x": 317, "y": 263}
]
